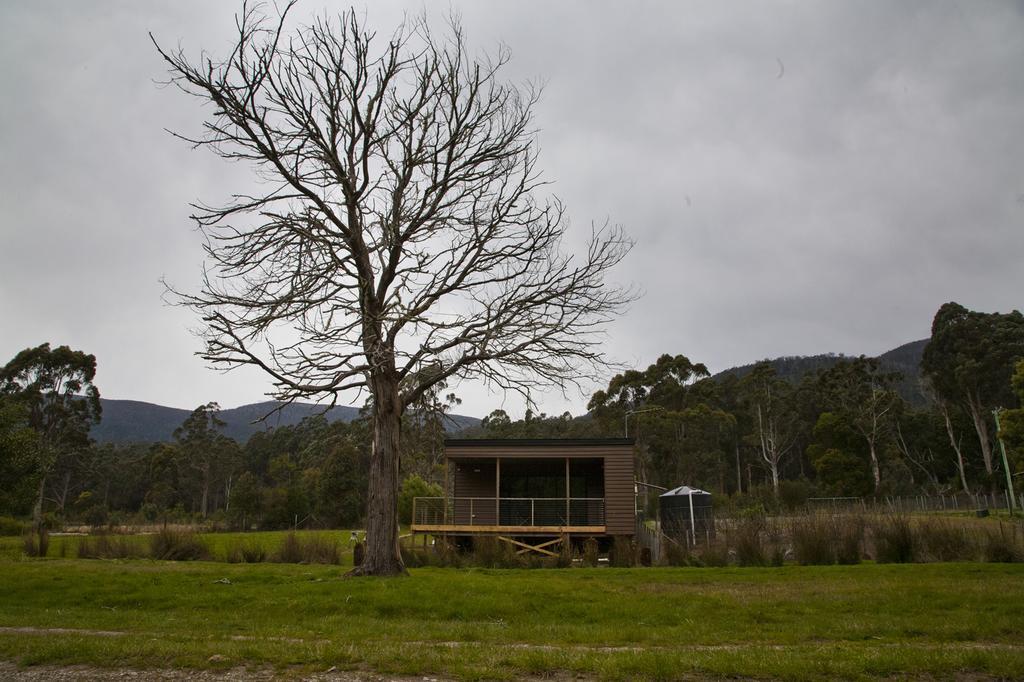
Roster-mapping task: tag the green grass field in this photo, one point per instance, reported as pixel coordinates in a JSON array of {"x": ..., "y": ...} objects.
[{"x": 914, "y": 620}]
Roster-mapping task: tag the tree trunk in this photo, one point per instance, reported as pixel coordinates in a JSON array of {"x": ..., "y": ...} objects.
[
  {"x": 739, "y": 470},
  {"x": 37, "y": 510},
  {"x": 978, "y": 417},
  {"x": 875, "y": 470},
  {"x": 64, "y": 492},
  {"x": 227, "y": 494},
  {"x": 382, "y": 556},
  {"x": 956, "y": 448},
  {"x": 204, "y": 500}
]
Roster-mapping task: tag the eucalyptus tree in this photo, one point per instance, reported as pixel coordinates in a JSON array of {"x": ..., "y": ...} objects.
[
  {"x": 206, "y": 456},
  {"x": 667, "y": 384},
  {"x": 1012, "y": 422},
  {"x": 863, "y": 393},
  {"x": 19, "y": 460},
  {"x": 969, "y": 362},
  {"x": 945, "y": 408},
  {"x": 55, "y": 387},
  {"x": 397, "y": 239},
  {"x": 776, "y": 424},
  {"x": 657, "y": 404}
]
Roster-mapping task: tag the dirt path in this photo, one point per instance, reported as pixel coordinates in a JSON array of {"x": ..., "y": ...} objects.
[
  {"x": 454, "y": 644},
  {"x": 11, "y": 671},
  {"x": 83, "y": 673}
]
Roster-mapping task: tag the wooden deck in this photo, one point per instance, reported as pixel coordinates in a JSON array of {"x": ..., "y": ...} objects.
[{"x": 453, "y": 529}]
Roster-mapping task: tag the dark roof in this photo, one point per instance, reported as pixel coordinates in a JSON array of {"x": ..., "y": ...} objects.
[{"x": 534, "y": 442}]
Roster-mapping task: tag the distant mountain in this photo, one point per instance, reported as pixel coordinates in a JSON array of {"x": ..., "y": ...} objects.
[
  {"x": 905, "y": 359},
  {"x": 132, "y": 421}
]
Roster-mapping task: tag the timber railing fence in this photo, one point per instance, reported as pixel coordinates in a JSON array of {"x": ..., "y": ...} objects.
[{"x": 508, "y": 511}]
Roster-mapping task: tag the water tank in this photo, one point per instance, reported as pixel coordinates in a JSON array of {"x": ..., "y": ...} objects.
[{"x": 686, "y": 515}]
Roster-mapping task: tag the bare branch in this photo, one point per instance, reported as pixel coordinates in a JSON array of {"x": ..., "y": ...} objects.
[{"x": 401, "y": 228}]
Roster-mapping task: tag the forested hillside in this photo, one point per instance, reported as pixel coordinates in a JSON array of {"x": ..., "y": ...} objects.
[
  {"x": 905, "y": 359},
  {"x": 133, "y": 421}
]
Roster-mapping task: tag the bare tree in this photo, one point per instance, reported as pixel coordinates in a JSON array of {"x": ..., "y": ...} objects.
[{"x": 397, "y": 242}]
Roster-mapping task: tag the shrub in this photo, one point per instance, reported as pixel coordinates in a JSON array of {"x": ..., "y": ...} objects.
[
  {"x": 290, "y": 551},
  {"x": 169, "y": 544},
  {"x": 107, "y": 547},
  {"x": 314, "y": 549},
  {"x": 490, "y": 552},
  {"x": 747, "y": 541},
  {"x": 37, "y": 543},
  {"x": 564, "y": 558},
  {"x": 412, "y": 487},
  {"x": 894, "y": 540},
  {"x": 714, "y": 554},
  {"x": 320, "y": 549},
  {"x": 1001, "y": 547},
  {"x": 446, "y": 556},
  {"x": 621, "y": 554},
  {"x": 794, "y": 494},
  {"x": 411, "y": 557},
  {"x": 813, "y": 540},
  {"x": 849, "y": 534},
  {"x": 96, "y": 515},
  {"x": 246, "y": 552},
  {"x": 590, "y": 552},
  {"x": 673, "y": 553},
  {"x": 534, "y": 560},
  {"x": 149, "y": 512},
  {"x": 254, "y": 553},
  {"x": 940, "y": 540},
  {"x": 10, "y": 527}
]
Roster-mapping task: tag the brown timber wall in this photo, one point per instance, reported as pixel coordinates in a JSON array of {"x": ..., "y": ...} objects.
[
  {"x": 471, "y": 483},
  {"x": 619, "y": 493}
]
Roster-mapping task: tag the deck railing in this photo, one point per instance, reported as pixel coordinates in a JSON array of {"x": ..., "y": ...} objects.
[{"x": 508, "y": 511}]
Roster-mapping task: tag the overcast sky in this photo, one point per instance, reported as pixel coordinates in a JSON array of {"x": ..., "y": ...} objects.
[{"x": 799, "y": 178}]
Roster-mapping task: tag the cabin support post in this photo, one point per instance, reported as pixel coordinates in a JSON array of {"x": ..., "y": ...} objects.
[
  {"x": 444, "y": 511},
  {"x": 567, "y": 522},
  {"x": 497, "y": 491}
]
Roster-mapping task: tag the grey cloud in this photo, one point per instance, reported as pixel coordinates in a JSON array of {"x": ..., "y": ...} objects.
[{"x": 832, "y": 209}]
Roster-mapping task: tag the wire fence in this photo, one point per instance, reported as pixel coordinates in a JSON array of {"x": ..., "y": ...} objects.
[{"x": 919, "y": 503}]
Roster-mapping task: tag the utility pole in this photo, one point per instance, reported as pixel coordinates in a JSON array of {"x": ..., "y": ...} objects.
[
  {"x": 1006, "y": 466},
  {"x": 625, "y": 418}
]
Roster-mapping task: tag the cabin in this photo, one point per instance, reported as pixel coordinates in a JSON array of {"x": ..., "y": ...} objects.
[{"x": 533, "y": 493}]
